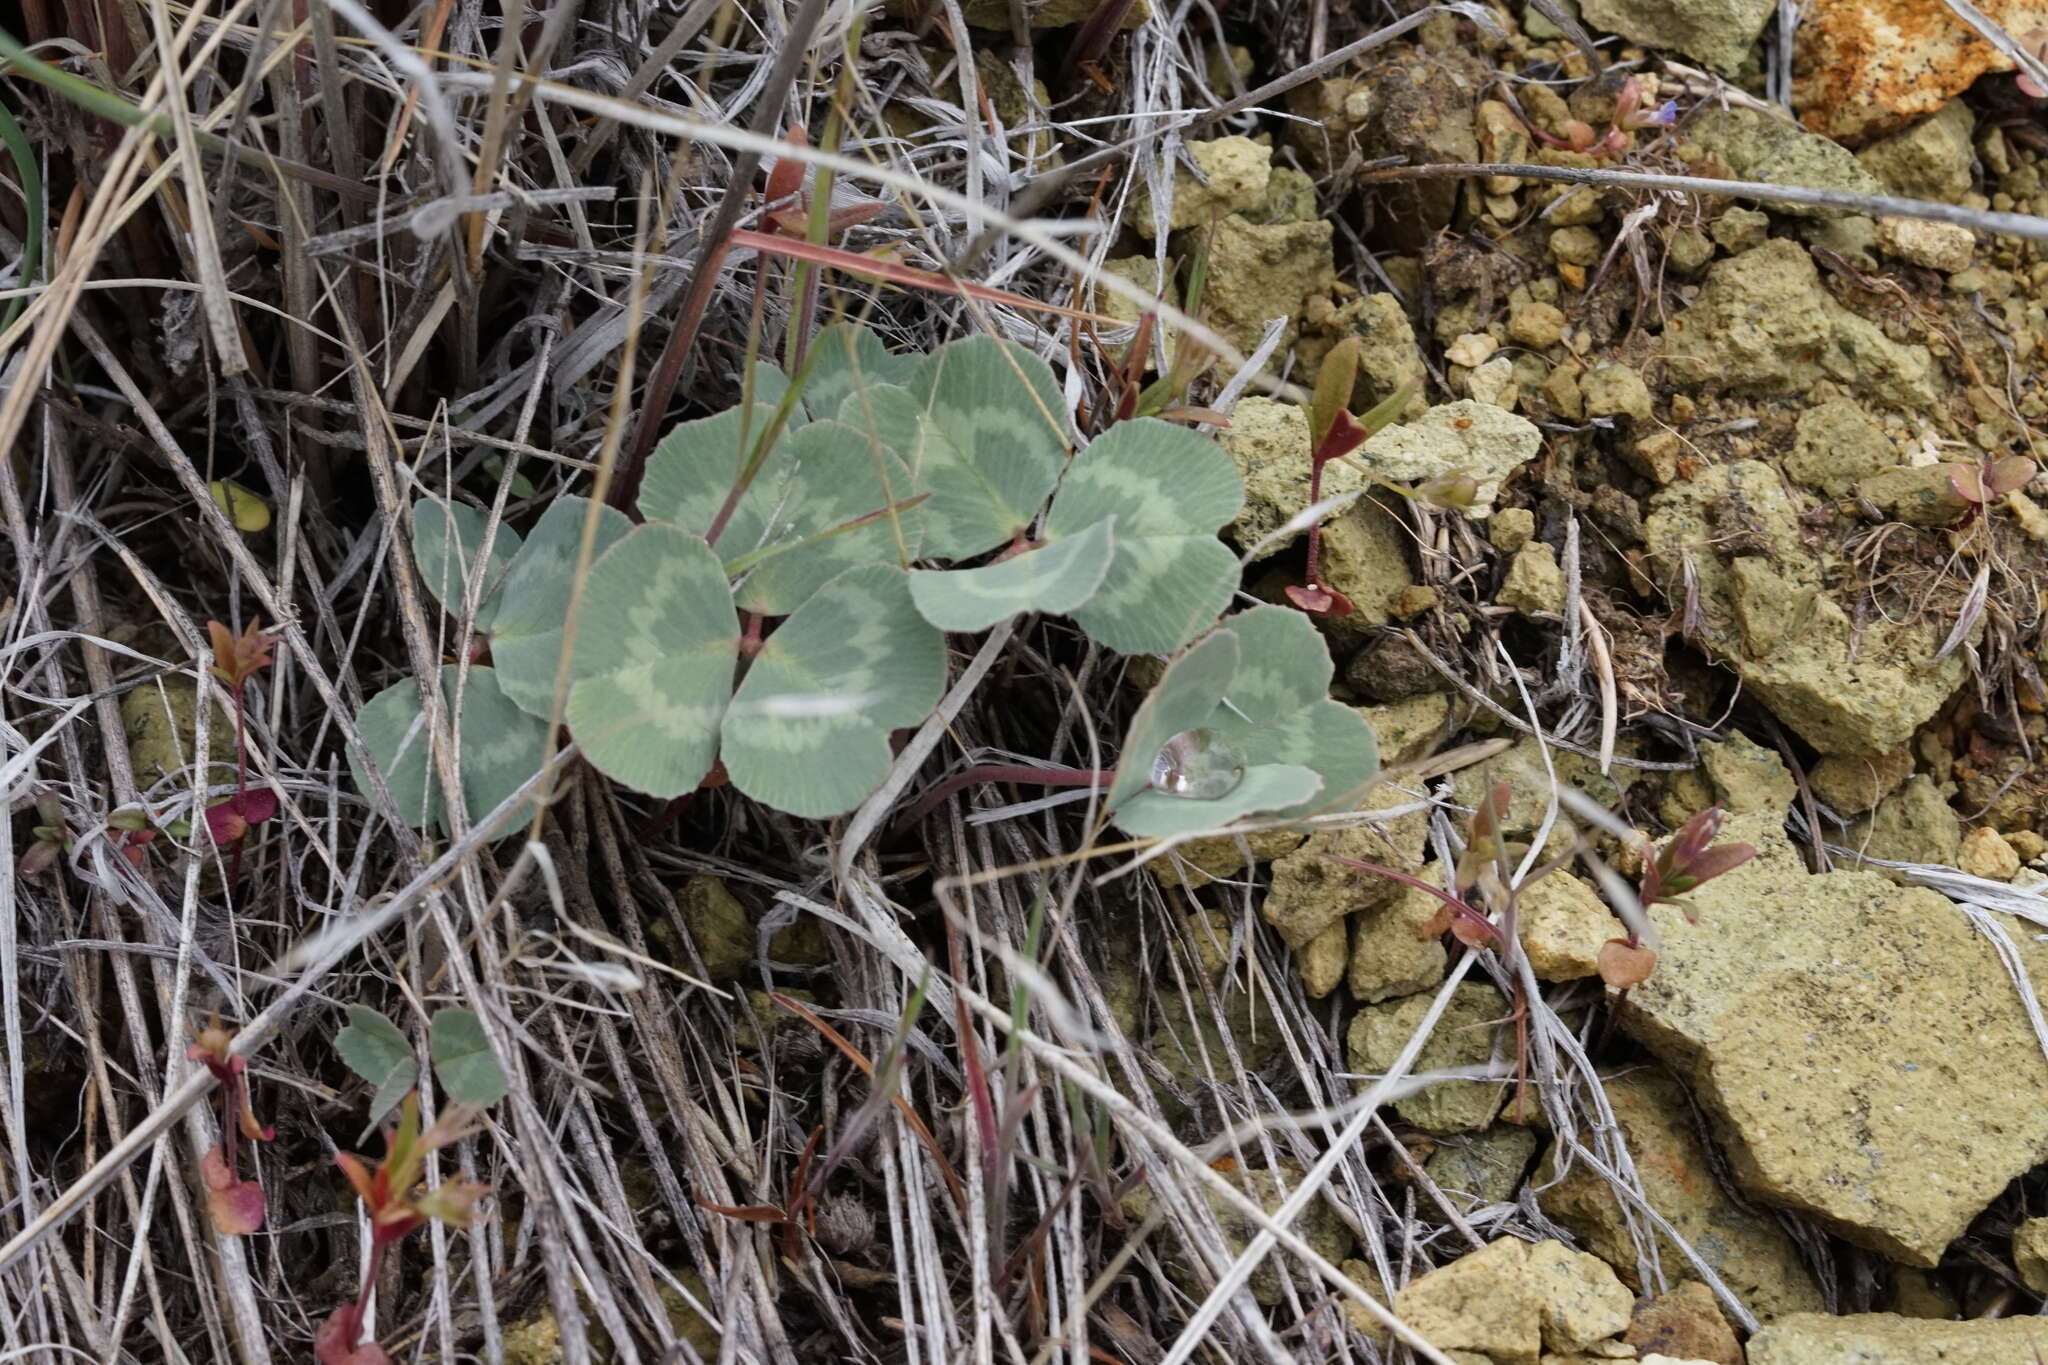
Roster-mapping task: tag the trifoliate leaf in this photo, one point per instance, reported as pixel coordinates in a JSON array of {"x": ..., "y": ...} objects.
[
  {"x": 374, "y": 1049},
  {"x": 655, "y": 652},
  {"x": 1187, "y": 695},
  {"x": 836, "y": 478},
  {"x": 445, "y": 539},
  {"x": 1277, "y": 709},
  {"x": 770, "y": 384},
  {"x": 1171, "y": 491},
  {"x": 808, "y": 731},
  {"x": 1004, "y": 426},
  {"x": 463, "y": 1062},
  {"x": 1055, "y": 579},
  {"x": 498, "y": 747},
  {"x": 533, "y": 604}
]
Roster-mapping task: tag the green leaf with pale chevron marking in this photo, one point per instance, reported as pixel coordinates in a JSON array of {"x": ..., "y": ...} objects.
[
  {"x": 1171, "y": 491},
  {"x": 1278, "y": 710},
  {"x": 1003, "y": 421},
  {"x": 836, "y": 476},
  {"x": 1188, "y": 694},
  {"x": 497, "y": 748},
  {"x": 655, "y": 653},
  {"x": 1265, "y": 787},
  {"x": 845, "y": 358},
  {"x": 693, "y": 468},
  {"x": 1055, "y": 579},
  {"x": 808, "y": 731},
  {"x": 533, "y": 605},
  {"x": 445, "y": 539}
]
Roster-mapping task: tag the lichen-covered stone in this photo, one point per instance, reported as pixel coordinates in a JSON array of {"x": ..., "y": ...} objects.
[
  {"x": 1855, "y": 1042},
  {"x": 1463, "y": 1037},
  {"x": 161, "y": 718},
  {"x": 1365, "y": 557},
  {"x": 1237, "y": 171},
  {"x": 1483, "y": 1168},
  {"x": 1947, "y": 247},
  {"x": 1511, "y": 529},
  {"x": 1869, "y": 67},
  {"x": 1461, "y": 438},
  {"x": 1747, "y": 778},
  {"x": 1746, "y": 1247},
  {"x": 1562, "y": 925},
  {"x": 1985, "y": 853},
  {"x": 1483, "y": 1302},
  {"x": 1729, "y": 540},
  {"x": 1537, "y": 324},
  {"x": 1836, "y": 445},
  {"x": 1580, "y": 1300},
  {"x": 1930, "y": 160},
  {"x": 1388, "y": 357},
  {"x": 1763, "y": 324},
  {"x": 1762, "y": 147},
  {"x": 1420, "y": 105},
  {"x": 1851, "y": 786},
  {"x": 1686, "y": 1323},
  {"x": 1261, "y": 271},
  {"x": 1887, "y": 1339},
  {"x": 1198, "y": 862},
  {"x": 1915, "y": 824},
  {"x": 1391, "y": 955},
  {"x": 1615, "y": 391},
  {"x": 2030, "y": 1253},
  {"x": 1269, "y": 443},
  {"x": 1321, "y": 961},
  {"x": 1717, "y": 33},
  {"x": 1310, "y": 892},
  {"x": 1534, "y": 583},
  {"x": 719, "y": 927},
  {"x": 1408, "y": 730}
]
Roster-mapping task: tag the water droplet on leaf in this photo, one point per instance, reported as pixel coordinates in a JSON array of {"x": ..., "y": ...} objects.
[{"x": 1197, "y": 764}]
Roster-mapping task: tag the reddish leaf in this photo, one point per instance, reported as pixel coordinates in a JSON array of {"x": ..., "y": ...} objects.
[
  {"x": 230, "y": 820},
  {"x": 1317, "y": 600},
  {"x": 236, "y": 1206},
  {"x": 335, "y": 1343},
  {"x": 2012, "y": 472},
  {"x": 358, "y": 1177},
  {"x": 1474, "y": 930},
  {"x": 787, "y": 177},
  {"x": 1624, "y": 965},
  {"x": 237, "y": 658},
  {"x": 1345, "y": 435}
]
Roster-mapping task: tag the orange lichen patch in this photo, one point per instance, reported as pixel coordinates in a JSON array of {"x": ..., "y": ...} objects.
[{"x": 1869, "y": 67}]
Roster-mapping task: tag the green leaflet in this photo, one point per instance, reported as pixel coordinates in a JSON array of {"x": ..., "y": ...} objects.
[
  {"x": 498, "y": 747},
  {"x": 845, "y": 358},
  {"x": 1001, "y": 416},
  {"x": 1054, "y": 579},
  {"x": 445, "y": 539},
  {"x": 692, "y": 469},
  {"x": 808, "y": 731},
  {"x": 1278, "y": 709},
  {"x": 374, "y": 1049},
  {"x": 1155, "y": 815},
  {"x": 655, "y": 652},
  {"x": 463, "y": 1062},
  {"x": 1170, "y": 491},
  {"x": 532, "y": 608},
  {"x": 1187, "y": 695}
]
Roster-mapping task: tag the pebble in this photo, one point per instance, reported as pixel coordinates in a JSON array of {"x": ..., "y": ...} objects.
[
  {"x": 1947, "y": 247},
  {"x": 1540, "y": 325},
  {"x": 1986, "y": 854}
]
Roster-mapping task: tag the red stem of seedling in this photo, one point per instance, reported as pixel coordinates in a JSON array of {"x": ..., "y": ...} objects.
[
  {"x": 1315, "y": 532},
  {"x": 241, "y": 785}
]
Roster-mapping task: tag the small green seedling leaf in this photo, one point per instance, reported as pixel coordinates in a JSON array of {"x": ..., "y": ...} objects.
[
  {"x": 1188, "y": 694},
  {"x": 1278, "y": 709},
  {"x": 374, "y": 1049},
  {"x": 808, "y": 731},
  {"x": 692, "y": 469},
  {"x": 463, "y": 1062},
  {"x": 1055, "y": 579},
  {"x": 655, "y": 654},
  {"x": 1171, "y": 491},
  {"x": 445, "y": 539},
  {"x": 533, "y": 606},
  {"x": 498, "y": 748},
  {"x": 1001, "y": 416}
]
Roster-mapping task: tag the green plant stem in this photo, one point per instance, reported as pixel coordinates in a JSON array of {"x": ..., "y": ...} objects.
[{"x": 24, "y": 158}]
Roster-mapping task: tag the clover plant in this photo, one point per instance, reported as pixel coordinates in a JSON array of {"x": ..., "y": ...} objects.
[{"x": 780, "y": 607}]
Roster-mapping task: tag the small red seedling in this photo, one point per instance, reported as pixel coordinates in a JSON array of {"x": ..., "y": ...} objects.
[
  {"x": 397, "y": 1204},
  {"x": 236, "y": 659},
  {"x": 1333, "y": 434},
  {"x": 1629, "y": 117},
  {"x": 1687, "y": 860},
  {"x": 1987, "y": 481},
  {"x": 50, "y": 840},
  {"x": 236, "y": 1205}
]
